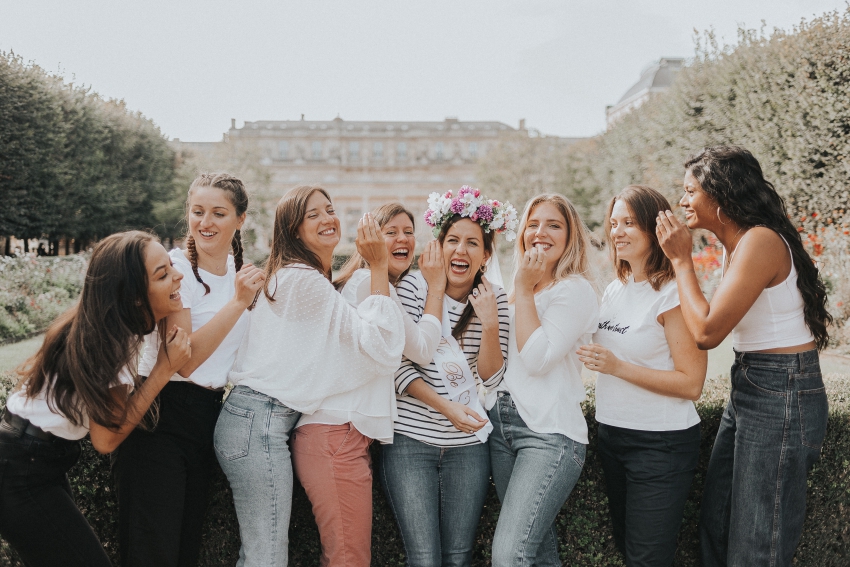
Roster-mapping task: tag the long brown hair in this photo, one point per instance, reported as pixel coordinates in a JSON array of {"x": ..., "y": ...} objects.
[
  {"x": 238, "y": 197},
  {"x": 732, "y": 176},
  {"x": 86, "y": 348},
  {"x": 488, "y": 239},
  {"x": 287, "y": 248},
  {"x": 644, "y": 204},
  {"x": 383, "y": 215}
]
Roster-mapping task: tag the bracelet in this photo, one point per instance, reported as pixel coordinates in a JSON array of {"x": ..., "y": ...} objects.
[
  {"x": 440, "y": 296},
  {"x": 378, "y": 292}
]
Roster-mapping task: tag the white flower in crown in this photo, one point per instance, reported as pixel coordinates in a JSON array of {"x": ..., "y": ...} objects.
[{"x": 489, "y": 213}]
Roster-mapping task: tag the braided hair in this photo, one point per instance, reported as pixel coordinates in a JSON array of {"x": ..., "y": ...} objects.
[{"x": 238, "y": 197}]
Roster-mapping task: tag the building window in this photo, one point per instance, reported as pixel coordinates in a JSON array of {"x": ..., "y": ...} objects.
[
  {"x": 401, "y": 150},
  {"x": 438, "y": 150},
  {"x": 317, "y": 150},
  {"x": 283, "y": 150},
  {"x": 473, "y": 149},
  {"x": 354, "y": 150},
  {"x": 378, "y": 150}
]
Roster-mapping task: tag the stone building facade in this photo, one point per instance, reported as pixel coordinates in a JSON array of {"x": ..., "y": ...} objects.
[
  {"x": 363, "y": 164},
  {"x": 655, "y": 77}
]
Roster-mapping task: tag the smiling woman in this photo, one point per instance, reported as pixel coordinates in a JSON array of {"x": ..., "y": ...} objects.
[
  {"x": 83, "y": 380},
  {"x": 305, "y": 344}
]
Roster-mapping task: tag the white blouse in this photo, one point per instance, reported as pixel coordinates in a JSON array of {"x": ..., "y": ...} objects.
[
  {"x": 544, "y": 378},
  {"x": 38, "y": 411},
  {"x": 310, "y": 344},
  {"x": 371, "y": 408}
]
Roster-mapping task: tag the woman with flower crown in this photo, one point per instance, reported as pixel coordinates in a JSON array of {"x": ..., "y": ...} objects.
[
  {"x": 539, "y": 440},
  {"x": 437, "y": 470}
]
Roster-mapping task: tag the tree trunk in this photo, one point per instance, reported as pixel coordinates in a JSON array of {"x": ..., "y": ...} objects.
[
  {"x": 8, "y": 247},
  {"x": 26, "y": 245},
  {"x": 67, "y": 247}
]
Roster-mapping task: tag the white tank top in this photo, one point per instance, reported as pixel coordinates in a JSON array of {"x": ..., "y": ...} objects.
[{"x": 776, "y": 318}]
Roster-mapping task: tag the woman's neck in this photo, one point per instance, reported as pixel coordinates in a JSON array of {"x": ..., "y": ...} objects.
[
  {"x": 638, "y": 271},
  {"x": 729, "y": 235},
  {"x": 544, "y": 282},
  {"x": 215, "y": 264},
  {"x": 459, "y": 294}
]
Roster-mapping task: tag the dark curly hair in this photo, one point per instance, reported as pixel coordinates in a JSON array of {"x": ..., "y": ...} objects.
[{"x": 733, "y": 177}]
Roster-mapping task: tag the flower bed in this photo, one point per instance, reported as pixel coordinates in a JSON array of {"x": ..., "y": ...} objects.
[{"x": 34, "y": 291}]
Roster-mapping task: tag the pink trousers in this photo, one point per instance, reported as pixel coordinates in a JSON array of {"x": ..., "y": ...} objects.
[{"x": 333, "y": 464}]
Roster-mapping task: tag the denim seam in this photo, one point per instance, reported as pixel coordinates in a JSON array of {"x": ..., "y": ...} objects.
[
  {"x": 765, "y": 390},
  {"x": 268, "y": 453},
  {"x": 778, "y": 499},
  {"x": 391, "y": 503},
  {"x": 800, "y": 395},
  {"x": 540, "y": 497}
]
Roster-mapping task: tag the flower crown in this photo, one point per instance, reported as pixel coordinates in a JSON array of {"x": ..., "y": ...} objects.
[{"x": 490, "y": 214}]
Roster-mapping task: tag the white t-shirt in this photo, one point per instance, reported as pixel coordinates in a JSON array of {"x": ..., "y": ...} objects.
[
  {"x": 629, "y": 328},
  {"x": 213, "y": 372},
  {"x": 371, "y": 408},
  {"x": 38, "y": 411},
  {"x": 544, "y": 378}
]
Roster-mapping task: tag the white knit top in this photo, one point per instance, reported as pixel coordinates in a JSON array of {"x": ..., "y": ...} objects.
[
  {"x": 544, "y": 378},
  {"x": 310, "y": 344},
  {"x": 371, "y": 408}
]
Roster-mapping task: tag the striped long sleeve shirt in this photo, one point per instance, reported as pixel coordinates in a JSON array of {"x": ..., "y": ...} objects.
[{"x": 417, "y": 419}]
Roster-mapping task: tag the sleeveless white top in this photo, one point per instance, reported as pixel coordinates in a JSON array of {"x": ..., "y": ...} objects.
[{"x": 776, "y": 318}]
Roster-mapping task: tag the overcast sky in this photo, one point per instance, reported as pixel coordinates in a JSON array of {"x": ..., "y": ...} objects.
[{"x": 193, "y": 65}]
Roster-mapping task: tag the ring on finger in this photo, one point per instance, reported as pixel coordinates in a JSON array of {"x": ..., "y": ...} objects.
[{"x": 474, "y": 293}]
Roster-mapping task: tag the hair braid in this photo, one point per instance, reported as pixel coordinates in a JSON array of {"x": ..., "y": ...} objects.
[
  {"x": 236, "y": 244},
  {"x": 193, "y": 258}
]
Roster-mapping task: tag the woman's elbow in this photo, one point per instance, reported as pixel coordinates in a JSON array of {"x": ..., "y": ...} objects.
[{"x": 708, "y": 342}]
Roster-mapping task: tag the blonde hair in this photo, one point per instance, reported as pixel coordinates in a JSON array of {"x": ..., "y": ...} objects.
[{"x": 574, "y": 259}]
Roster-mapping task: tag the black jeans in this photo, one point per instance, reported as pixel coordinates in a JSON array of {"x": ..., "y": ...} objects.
[
  {"x": 162, "y": 477},
  {"x": 648, "y": 476},
  {"x": 38, "y": 517}
]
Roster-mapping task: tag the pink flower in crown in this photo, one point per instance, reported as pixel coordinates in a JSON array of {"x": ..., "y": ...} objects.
[
  {"x": 448, "y": 194},
  {"x": 457, "y": 206},
  {"x": 464, "y": 190},
  {"x": 497, "y": 204},
  {"x": 428, "y": 215},
  {"x": 485, "y": 213},
  {"x": 474, "y": 216},
  {"x": 476, "y": 193}
]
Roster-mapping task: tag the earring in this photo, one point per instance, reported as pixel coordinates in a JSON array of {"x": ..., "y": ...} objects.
[{"x": 718, "y": 217}]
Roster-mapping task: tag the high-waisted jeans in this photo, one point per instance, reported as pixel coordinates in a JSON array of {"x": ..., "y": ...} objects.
[
  {"x": 534, "y": 474},
  {"x": 436, "y": 494},
  {"x": 770, "y": 435},
  {"x": 251, "y": 445}
]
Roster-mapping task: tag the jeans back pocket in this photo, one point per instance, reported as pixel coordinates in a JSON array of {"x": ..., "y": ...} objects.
[
  {"x": 814, "y": 413},
  {"x": 233, "y": 432}
]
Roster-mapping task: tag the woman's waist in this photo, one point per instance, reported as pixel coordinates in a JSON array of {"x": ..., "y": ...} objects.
[{"x": 803, "y": 361}]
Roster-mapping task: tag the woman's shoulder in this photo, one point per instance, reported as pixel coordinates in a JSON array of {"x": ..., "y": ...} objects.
[
  {"x": 413, "y": 282},
  {"x": 179, "y": 259},
  {"x": 574, "y": 284}
]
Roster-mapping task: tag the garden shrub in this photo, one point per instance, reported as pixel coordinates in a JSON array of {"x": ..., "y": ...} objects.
[{"x": 583, "y": 525}]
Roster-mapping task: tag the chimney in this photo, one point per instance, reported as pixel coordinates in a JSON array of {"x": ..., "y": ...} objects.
[
  {"x": 302, "y": 118},
  {"x": 522, "y": 123},
  {"x": 233, "y": 124}
]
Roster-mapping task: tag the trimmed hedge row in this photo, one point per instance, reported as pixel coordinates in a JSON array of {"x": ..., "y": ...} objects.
[{"x": 583, "y": 524}]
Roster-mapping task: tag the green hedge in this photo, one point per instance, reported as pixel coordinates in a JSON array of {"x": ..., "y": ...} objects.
[{"x": 583, "y": 525}]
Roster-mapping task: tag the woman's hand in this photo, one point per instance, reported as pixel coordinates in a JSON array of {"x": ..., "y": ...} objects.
[
  {"x": 599, "y": 359},
  {"x": 370, "y": 242},
  {"x": 175, "y": 351},
  {"x": 532, "y": 267},
  {"x": 463, "y": 418},
  {"x": 432, "y": 267},
  {"x": 483, "y": 301},
  {"x": 249, "y": 280},
  {"x": 674, "y": 237}
]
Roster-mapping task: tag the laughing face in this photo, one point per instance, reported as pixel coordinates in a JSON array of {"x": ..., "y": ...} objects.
[
  {"x": 212, "y": 220},
  {"x": 463, "y": 253},
  {"x": 700, "y": 209},
  {"x": 319, "y": 231},
  {"x": 546, "y": 228},
  {"x": 398, "y": 234},
  {"x": 163, "y": 282}
]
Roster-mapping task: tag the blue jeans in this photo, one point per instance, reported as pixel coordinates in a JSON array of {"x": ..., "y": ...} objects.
[
  {"x": 534, "y": 475},
  {"x": 770, "y": 436},
  {"x": 436, "y": 494},
  {"x": 251, "y": 445}
]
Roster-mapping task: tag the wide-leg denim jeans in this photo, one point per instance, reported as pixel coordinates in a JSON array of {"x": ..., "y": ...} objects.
[
  {"x": 251, "y": 445},
  {"x": 436, "y": 494},
  {"x": 770, "y": 435},
  {"x": 534, "y": 474}
]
